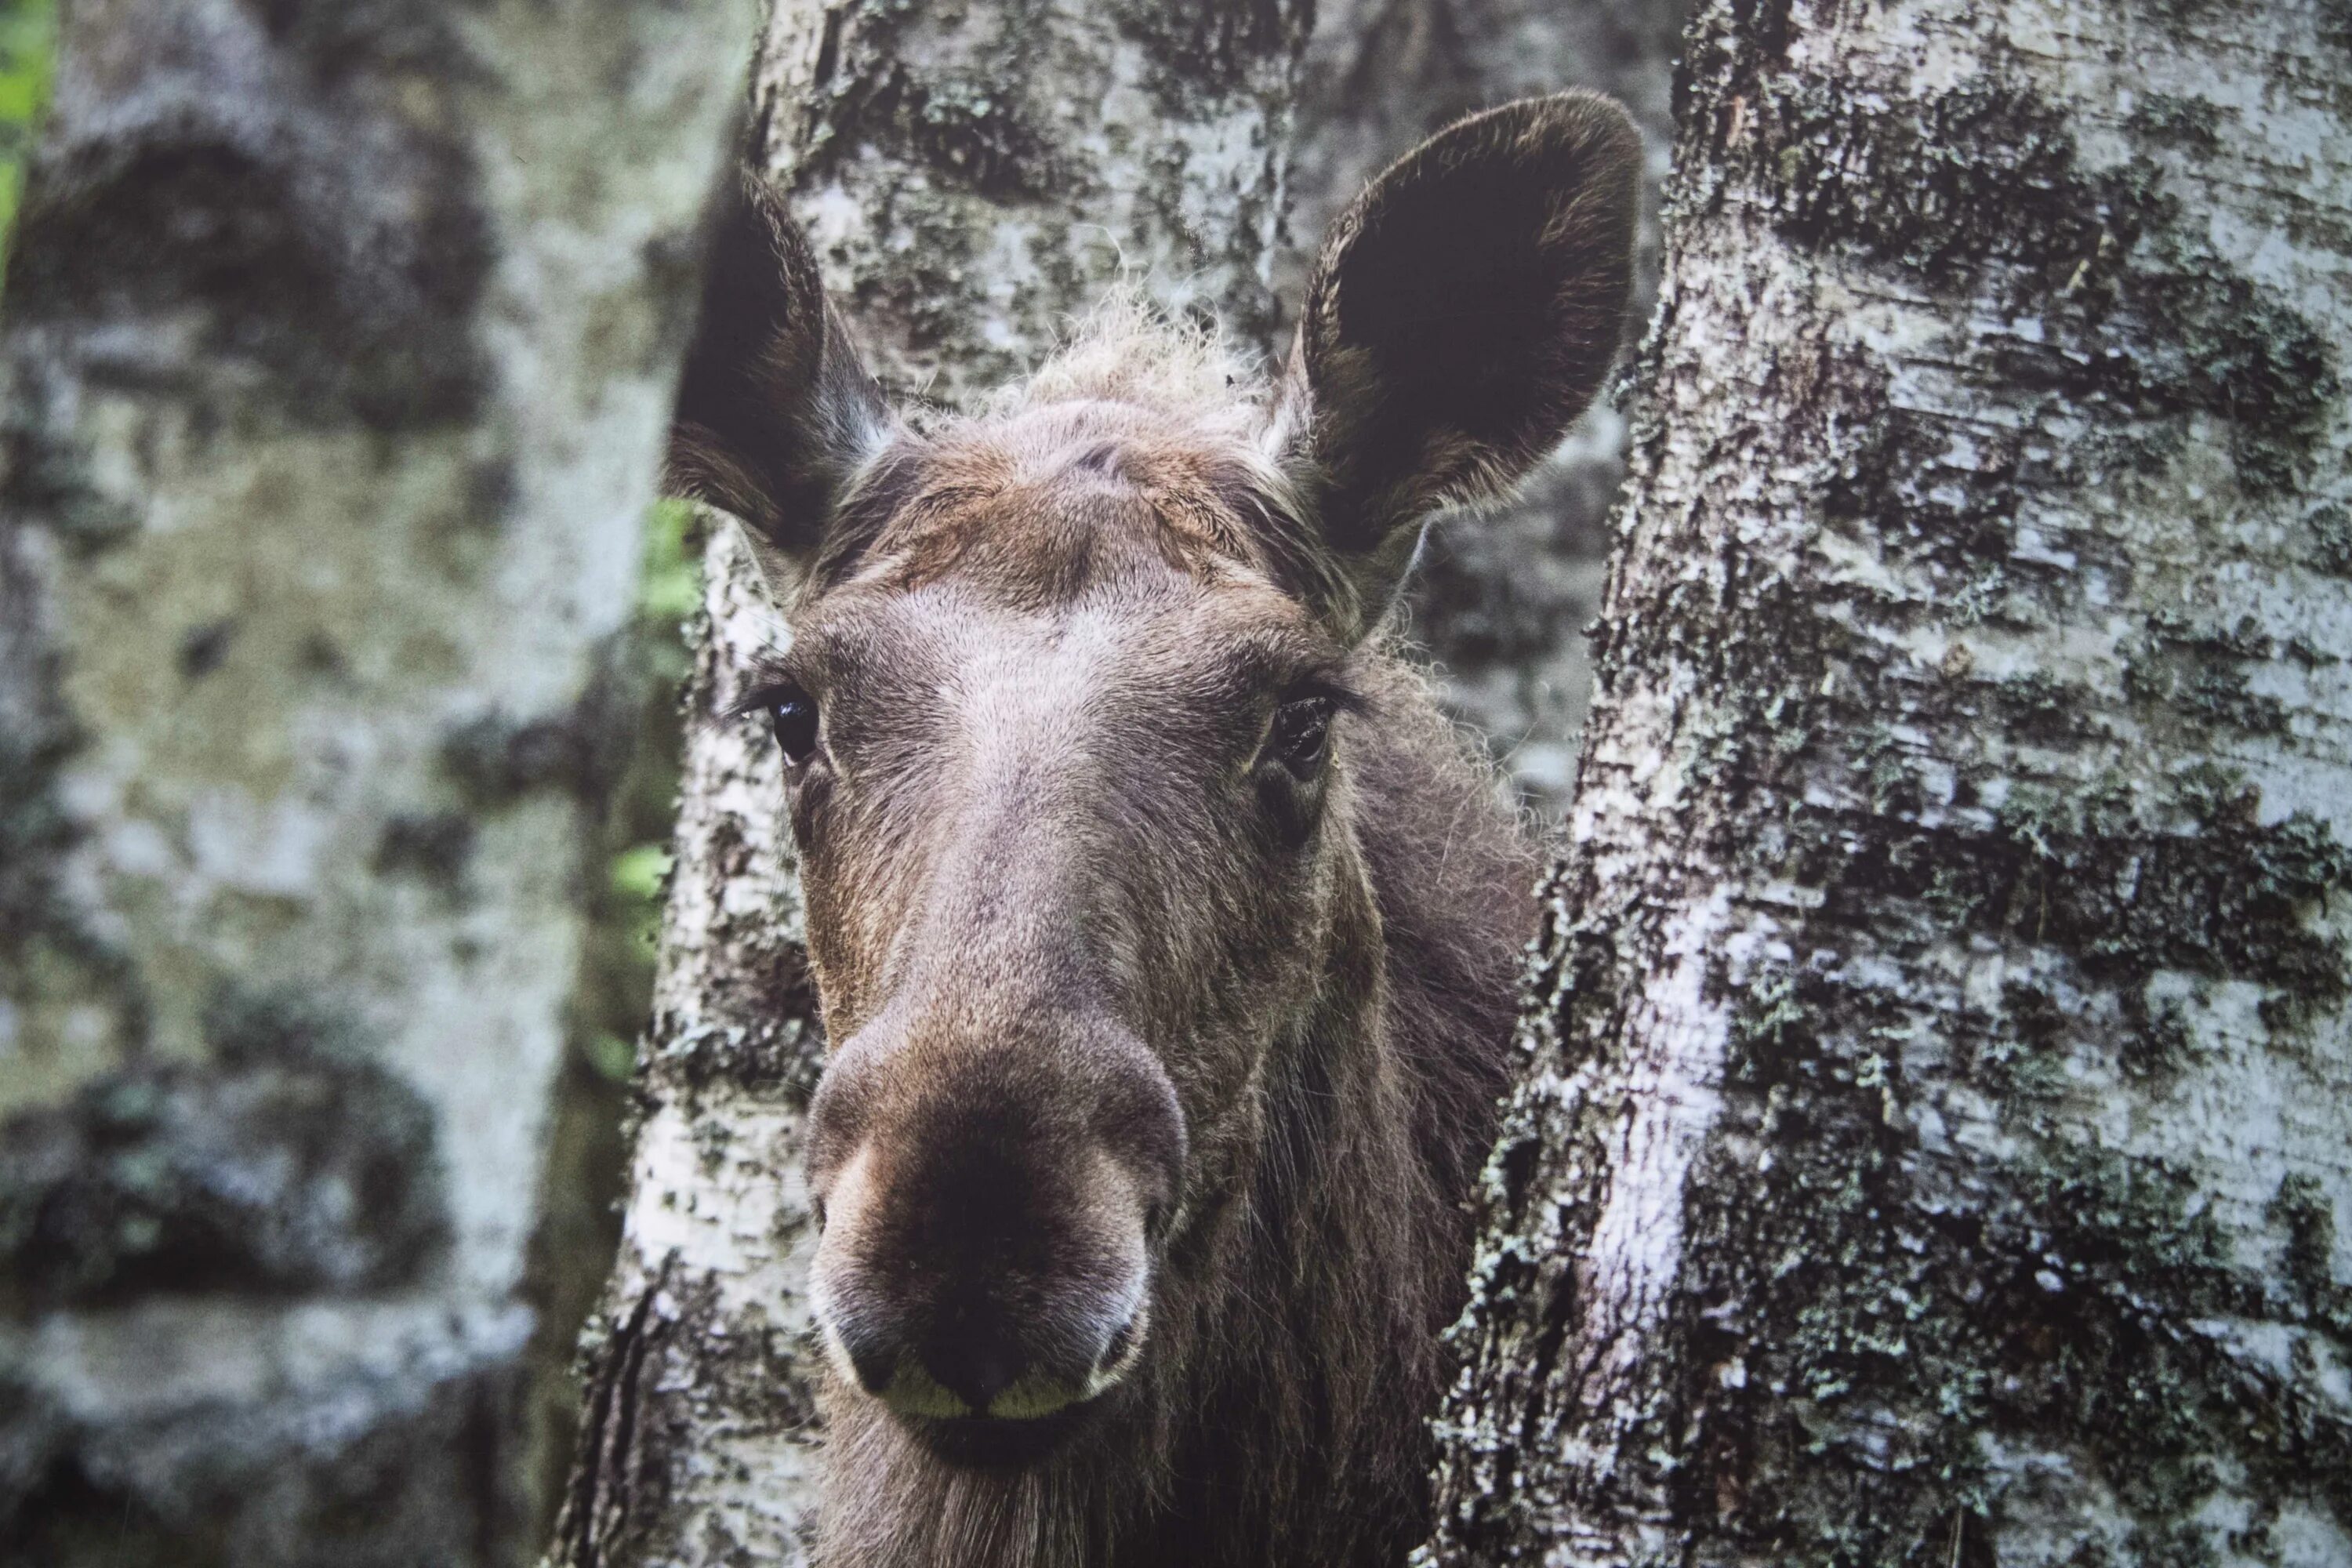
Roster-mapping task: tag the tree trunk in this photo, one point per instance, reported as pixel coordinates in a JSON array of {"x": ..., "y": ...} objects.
[
  {"x": 339, "y": 354},
  {"x": 1935, "y": 1140},
  {"x": 969, "y": 179},
  {"x": 1502, "y": 606}
]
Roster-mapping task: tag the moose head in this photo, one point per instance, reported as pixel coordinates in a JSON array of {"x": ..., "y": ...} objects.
[{"x": 1081, "y": 719}]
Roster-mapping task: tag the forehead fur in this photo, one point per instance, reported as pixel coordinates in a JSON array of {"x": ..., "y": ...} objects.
[{"x": 1136, "y": 443}]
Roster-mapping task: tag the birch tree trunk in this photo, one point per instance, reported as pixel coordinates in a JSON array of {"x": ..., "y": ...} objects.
[
  {"x": 339, "y": 354},
  {"x": 1935, "y": 1141},
  {"x": 969, "y": 178}
]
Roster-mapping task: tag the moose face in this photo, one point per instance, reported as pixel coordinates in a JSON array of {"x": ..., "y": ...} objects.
[
  {"x": 1068, "y": 718},
  {"x": 1062, "y": 806}
]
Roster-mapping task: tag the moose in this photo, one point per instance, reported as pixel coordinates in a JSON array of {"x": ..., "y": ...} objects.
[{"x": 1165, "y": 933}]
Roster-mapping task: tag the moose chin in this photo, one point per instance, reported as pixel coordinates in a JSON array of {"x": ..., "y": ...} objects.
[{"x": 1165, "y": 931}]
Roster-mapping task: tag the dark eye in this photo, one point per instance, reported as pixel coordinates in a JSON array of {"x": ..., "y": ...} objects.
[
  {"x": 1302, "y": 733},
  {"x": 791, "y": 715}
]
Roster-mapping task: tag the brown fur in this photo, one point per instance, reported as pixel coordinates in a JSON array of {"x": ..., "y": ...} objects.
[{"x": 1163, "y": 1051}]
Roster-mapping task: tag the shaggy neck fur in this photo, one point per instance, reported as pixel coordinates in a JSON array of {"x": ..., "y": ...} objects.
[{"x": 1279, "y": 1419}]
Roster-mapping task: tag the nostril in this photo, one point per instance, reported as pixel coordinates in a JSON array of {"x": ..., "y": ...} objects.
[{"x": 871, "y": 1356}]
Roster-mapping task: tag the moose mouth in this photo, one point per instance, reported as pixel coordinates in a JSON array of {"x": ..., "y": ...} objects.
[
  {"x": 999, "y": 1442},
  {"x": 995, "y": 1414}
]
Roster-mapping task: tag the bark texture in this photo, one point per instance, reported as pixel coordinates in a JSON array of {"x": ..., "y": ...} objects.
[
  {"x": 1934, "y": 1142},
  {"x": 339, "y": 353},
  {"x": 1502, "y": 604},
  {"x": 972, "y": 179}
]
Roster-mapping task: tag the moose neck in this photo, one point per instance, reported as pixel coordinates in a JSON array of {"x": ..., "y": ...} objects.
[{"x": 1320, "y": 1299}]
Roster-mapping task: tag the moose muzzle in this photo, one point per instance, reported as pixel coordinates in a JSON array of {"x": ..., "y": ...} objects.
[{"x": 990, "y": 1213}]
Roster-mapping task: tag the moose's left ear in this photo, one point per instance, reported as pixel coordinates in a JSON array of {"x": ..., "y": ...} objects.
[{"x": 1462, "y": 313}]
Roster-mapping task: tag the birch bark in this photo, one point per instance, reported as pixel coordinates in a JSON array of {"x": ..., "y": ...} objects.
[
  {"x": 970, "y": 178},
  {"x": 339, "y": 352},
  {"x": 1935, "y": 1138}
]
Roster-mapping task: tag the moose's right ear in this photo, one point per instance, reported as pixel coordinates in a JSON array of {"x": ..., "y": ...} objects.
[
  {"x": 1464, "y": 309},
  {"x": 775, "y": 411}
]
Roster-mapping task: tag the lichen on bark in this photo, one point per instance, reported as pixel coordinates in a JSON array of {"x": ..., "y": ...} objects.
[
  {"x": 337, "y": 354},
  {"x": 1931, "y": 1142}
]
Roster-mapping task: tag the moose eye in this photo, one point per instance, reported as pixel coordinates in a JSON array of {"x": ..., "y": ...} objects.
[
  {"x": 1302, "y": 733},
  {"x": 791, "y": 715}
]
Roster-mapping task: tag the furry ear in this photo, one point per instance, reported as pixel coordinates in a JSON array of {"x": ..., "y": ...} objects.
[
  {"x": 775, "y": 410},
  {"x": 1462, "y": 313}
]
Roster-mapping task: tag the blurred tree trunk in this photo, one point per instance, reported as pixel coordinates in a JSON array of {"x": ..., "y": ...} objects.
[
  {"x": 969, "y": 178},
  {"x": 1502, "y": 606},
  {"x": 1935, "y": 1143},
  {"x": 339, "y": 352}
]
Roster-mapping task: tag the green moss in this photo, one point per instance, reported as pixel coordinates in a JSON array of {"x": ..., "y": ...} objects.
[
  {"x": 670, "y": 587},
  {"x": 1888, "y": 775},
  {"x": 2125, "y": 1224},
  {"x": 1771, "y": 1023},
  {"x": 624, "y": 913},
  {"x": 27, "y": 57}
]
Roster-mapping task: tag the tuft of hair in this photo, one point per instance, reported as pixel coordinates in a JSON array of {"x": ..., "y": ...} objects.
[{"x": 1129, "y": 349}]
